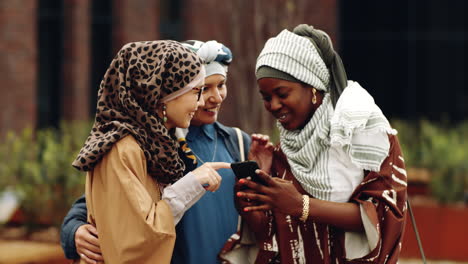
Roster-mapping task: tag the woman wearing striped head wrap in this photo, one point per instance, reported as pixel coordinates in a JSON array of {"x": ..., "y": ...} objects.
[{"x": 338, "y": 188}]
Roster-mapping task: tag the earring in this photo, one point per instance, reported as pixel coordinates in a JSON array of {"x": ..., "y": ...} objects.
[
  {"x": 164, "y": 113},
  {"x": 314, "y": 99}
]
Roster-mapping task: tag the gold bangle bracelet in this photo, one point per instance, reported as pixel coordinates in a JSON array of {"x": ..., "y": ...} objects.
[{"x": 305, "y": 208}]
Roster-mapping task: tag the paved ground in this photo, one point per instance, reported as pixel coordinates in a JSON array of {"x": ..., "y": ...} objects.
[
  {"x": 27, "y": 252},
  {"x": 419, "y": 261}
]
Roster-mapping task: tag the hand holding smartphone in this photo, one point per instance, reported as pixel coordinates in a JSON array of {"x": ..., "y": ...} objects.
[{"x": 246, "y": 169}]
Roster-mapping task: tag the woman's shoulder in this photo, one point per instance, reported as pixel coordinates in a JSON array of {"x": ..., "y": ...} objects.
[
  {"x": 127, "y": 146},
  {"x": 231, "y": 131}
]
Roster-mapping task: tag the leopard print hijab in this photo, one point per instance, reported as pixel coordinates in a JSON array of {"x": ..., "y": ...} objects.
[{"x": 139, "y": 77}]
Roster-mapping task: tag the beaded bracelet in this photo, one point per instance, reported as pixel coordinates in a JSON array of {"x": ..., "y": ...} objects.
[{"x": 305, "y": 208}]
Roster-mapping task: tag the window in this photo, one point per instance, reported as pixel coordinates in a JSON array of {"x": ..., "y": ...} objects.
[
  {"x": 101, "y": 46},
  {"x": 50, "y": 61}
]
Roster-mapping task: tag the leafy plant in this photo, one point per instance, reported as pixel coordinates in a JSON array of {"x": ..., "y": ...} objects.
[
  {"x": 441, "y": 148},
  {"x": 37, "y": 166}
]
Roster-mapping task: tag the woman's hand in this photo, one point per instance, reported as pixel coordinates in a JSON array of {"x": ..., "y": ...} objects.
[
  {"x": 256, "y": 220},
  {"x": 87, "y": 244},
  {"x": 261, "y": 150},
  {"x": 239, "y": 202},
  {"x": 278, "y": 195},
  {"x": 207, "y": 176}
]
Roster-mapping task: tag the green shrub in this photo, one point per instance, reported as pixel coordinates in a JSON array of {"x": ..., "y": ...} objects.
[
  {"x": 441, "y": 148},
  {"x": 37, "y": 165}
]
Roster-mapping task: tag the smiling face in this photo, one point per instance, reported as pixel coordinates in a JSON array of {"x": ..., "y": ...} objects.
[
  {"x": 214, "y": 94},
  {"x": 289, "y": 102},
  {"x": 181, "y": 109}
]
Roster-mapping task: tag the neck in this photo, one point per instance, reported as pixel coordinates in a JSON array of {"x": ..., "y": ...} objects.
[{"x": 169, "y": 126}]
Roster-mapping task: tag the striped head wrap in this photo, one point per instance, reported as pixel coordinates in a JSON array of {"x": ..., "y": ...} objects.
[
  {"x": 296, "y": 56},
  {"x": 308, "y": 56},
  {"x": 349, "y": 121}
]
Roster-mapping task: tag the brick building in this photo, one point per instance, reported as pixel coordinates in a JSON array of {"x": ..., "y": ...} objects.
[{"x": 55, "y": 52}]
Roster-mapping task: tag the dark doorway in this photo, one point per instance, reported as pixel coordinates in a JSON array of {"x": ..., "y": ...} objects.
[
  {"x": 410, "y": 55},
  {"x": 171, "y": 19},
  {"x": 101, "y": 45},
  {"x": 50, "y": 62}
]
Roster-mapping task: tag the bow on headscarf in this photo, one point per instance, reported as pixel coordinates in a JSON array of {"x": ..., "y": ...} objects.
[
  {"x": 217, "y": 57},
  {"x": 140, "y": 76}
]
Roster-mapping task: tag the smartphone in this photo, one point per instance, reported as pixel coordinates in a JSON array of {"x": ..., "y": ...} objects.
[{"x": 246, "y": 169}]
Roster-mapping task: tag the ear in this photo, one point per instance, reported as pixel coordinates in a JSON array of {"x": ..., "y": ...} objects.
[
  {"x": 160, "y": 110},
  {"x": 319, "y": 95}
]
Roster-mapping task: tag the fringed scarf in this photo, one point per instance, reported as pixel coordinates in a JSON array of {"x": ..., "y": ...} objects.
[{"x": 351, "y": 126}]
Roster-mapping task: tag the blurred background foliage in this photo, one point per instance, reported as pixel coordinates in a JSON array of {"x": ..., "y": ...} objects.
[
  {"x": 36, "y": 165},
  {"x": 441, "y": 148}
]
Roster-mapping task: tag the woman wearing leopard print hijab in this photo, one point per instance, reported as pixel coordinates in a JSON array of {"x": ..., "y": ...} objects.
[{"x": 135, "y": 189}]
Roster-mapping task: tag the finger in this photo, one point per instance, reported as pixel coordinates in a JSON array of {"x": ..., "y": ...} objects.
[
  {"x": 217, "y": 186},
  {"x": 259, "y": 188},
  {"x": 270, "y": 146},
  {"x": 92, "y": 242},
  {"x": 213, "y": 185},
  {"x": 254, "y": 197},
  {"x": 93, "y": 256},
  {"x": 86, "y": 259},
  {"x": 257, "y": 138},
  {"x": 239, "y": 187},
  {"x": 216, "y": 179},
  {"x": 261, "y": 139},
  {"x": 246, "y": 201},
  {"x": 219, "y": 165},
  {"x": 264, "y": 138},
  {"x": 92, "y": 245},
  {"x": 266, "y": 178},
  {"x": 279, "y": 180},
  {"x": 254, "y": 136},
  {"x": 91, "y": 239},
  {"x": 92, "y": 230},
  {"x": 208, "y": 185},
  {"x": 263, "y": 207},
  {"x": 243, "y": 203}
]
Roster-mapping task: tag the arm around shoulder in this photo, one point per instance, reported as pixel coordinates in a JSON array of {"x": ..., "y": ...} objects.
[{"x": 75, "y": 218}]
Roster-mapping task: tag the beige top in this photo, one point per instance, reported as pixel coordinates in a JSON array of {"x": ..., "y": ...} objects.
[{"x": 124, "y": 203}]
